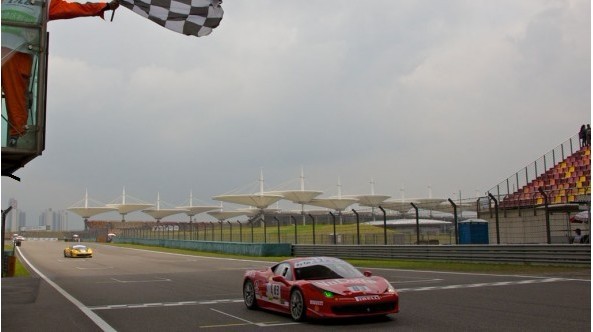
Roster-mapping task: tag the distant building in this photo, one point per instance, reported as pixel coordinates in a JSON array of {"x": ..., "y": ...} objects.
[
  {"x": 15, "y": 219},
  {"x": 54, "y": 220}
]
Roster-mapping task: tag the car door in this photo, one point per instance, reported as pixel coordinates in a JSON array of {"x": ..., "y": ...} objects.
[{"x": 277, "y": 293}]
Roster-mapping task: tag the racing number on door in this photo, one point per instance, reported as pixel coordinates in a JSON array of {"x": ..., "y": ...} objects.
[{"x": 273, "y": 291}]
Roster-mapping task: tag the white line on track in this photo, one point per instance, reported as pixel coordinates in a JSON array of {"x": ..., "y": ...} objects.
[
  {"x": 164, "y": 304},
  {"x": 485, "y": 284},
  {"x": 253, "y": 323}
]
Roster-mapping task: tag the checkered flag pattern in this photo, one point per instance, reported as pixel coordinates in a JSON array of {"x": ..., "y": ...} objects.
[{"x": 189, "y": 17}]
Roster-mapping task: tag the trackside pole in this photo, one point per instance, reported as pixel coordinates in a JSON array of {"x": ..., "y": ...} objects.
[
  {"x": 334, "y": 222},
  {"x": 384, "y": 225},
  {"x": 417, "y": 223},
  {"x": 548, "y": 235},
  {"x": 455, "y": 220},
  {"x": 295, "y": 228},
  {"x": 313, "y": 218},
  {"x": 357, "y": 227},
  {"x": 496, "y": 216}
]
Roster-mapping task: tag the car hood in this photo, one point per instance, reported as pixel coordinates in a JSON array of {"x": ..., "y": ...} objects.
[{"x": 349, "y": 286}]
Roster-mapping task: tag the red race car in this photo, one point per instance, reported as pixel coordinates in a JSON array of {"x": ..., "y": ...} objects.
[{"x": 319, "y": 287}]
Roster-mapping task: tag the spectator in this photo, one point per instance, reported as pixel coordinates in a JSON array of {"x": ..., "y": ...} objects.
[
  {"x": 588, "y": 135},
  {"x": 583, "y": 135},
  {"x": 578, "y": 237}
]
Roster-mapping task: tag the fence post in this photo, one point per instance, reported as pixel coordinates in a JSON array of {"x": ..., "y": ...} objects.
[
  {"x": 496, "y": 214},
  {"x": 295, "y": 228},
  {"x": 455, "y": 220},
  {"x": 231, "y": 231},
  {"x": 265, "y": 230},
  {"x": 357, "y": 227},
  {"x": 334, "y": 223},
  {"x": 417, "y": 224},
  {"x": 313, "y": 219},
  {"x": 384, "y": 225},
  {"x": 278, "y": 225},
  {"x": 548, "y": 235},
  {"x": 240, "y": 231}
]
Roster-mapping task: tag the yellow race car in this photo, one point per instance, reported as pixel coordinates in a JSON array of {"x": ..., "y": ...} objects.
[{"x": 78, "y": 250}]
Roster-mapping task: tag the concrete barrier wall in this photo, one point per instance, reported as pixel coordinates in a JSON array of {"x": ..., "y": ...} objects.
[{"x": 235, "y": 248}]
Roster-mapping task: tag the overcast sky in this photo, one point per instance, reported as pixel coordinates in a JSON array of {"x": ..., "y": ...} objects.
[{"x": 453, "y": 95}]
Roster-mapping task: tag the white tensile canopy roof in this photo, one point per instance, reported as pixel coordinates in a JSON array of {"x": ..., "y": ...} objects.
[
  {"x": 158, "y": 214},
  {"x": 334, "y": 203},
  {"x": 87, "y": 212},
  {"x": 223, "y": 215},
  {"x": 298, "y": 196},
  {"x": 83, "y": 209},
  {"x": 260, "y": 200},
  {"x": 127, "y": 208},
  {"x": 193, "y": 210},
  {"x": 371, "y": 200}
]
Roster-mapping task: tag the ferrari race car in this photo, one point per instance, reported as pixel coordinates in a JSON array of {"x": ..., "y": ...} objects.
[
  {"x": 78, "y": 250},
  {"x": 319, "y": 287}
]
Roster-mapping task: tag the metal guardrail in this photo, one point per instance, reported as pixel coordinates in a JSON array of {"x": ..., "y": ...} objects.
[{"x": 536, "y": 254}]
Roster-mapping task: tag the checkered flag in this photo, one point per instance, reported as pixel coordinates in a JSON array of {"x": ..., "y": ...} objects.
[{"x": 189, "y": 17}]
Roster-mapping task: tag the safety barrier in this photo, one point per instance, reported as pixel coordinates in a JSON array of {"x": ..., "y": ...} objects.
[
  {"x": 235, "y": 248},
  {"x": 533, "y": 254}
]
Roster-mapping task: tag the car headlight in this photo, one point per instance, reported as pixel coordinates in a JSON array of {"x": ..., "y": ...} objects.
[{"x": 390, "y": 288}]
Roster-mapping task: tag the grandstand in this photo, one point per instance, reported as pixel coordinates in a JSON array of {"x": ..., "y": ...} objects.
[
  {"x": 562, "y": 183},
  {"x": 564, "y": 179}
]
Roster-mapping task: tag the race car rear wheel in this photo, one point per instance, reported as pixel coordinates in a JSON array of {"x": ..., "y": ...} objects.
[
  {"x": 297, "y": 306},
  {"x": 249, "y": 294}
]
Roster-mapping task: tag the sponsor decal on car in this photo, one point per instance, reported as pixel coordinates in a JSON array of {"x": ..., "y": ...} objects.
[
  {"x": 312, "y": 261},
  {"x": 367, "y": 298},
  {"x": 359, "y": 288},
  {"x": 334, "y": 282},
  {"x": 316, "y": 302}
]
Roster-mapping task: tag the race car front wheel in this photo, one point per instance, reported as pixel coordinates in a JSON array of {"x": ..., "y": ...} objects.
[
  {"x": 249, "y": 294},
  {"x": 297, "y": 306}
]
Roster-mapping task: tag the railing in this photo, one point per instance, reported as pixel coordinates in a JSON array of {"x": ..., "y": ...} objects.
[
  {"x": 532, "y": 254},
  {"x": 536, "y": 168}
]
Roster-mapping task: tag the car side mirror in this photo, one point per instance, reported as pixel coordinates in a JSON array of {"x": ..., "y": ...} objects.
[
  {"x": 280, "y": 279},
  {"x": 367, "y": 273}
]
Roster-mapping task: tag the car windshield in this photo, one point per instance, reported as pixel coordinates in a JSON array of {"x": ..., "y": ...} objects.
[
  {"x": 325, "y": 268},
  {"x": 79, "y": 247}
]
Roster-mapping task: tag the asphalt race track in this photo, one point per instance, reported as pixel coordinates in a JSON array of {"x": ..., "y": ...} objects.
[{"x": 135, "y": 290}]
